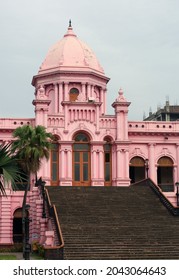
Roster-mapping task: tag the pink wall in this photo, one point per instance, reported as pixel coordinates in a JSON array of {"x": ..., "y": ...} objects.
[{"x": 58, "y": 74}]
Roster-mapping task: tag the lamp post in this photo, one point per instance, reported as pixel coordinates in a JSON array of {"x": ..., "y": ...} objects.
[
  {"x": 147, "y": 168},
  {"x": 177, "y": 193},
  {"x": 43, "y": 197},
  {"x": 27, "y": 245},
  {"x": 41, "y": 184}
]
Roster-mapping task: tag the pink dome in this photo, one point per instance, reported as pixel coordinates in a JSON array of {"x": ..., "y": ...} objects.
[{"x": 72, "y": 54}]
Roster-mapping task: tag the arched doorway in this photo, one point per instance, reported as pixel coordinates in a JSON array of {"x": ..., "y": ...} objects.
[
  {"x": 81, "y": 160},
  {"x": 55, "y": 164},
  {"x": 165, "y": 173},
  {"x": 17, "y": 225},
  {"x": 107, "y": 162},
  {"x": 137, "y": 170}
]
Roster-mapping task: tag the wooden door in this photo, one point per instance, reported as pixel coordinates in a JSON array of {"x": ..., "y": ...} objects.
[{"x": 81, "y": 161}]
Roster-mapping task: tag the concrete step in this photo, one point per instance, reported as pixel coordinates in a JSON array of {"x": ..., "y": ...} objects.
[{"x": 115, "y": 223}]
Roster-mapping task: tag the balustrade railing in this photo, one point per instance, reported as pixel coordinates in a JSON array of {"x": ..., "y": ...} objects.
[{"x": 148, "y": 182}]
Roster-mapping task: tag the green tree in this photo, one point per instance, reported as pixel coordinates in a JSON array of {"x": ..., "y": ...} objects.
[
  {"x": 9, "y": 171},
  {"x": 30, "y": 146}
]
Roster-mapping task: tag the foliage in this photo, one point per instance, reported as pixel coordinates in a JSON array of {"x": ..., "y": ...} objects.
[
  {"x": 9, "y": 171},
  {"x": 8, "y": 257},
  {"x": 17, "y": 247},
  {"x": 30, "y": 146},
  {"x": 39, "y": 249}
]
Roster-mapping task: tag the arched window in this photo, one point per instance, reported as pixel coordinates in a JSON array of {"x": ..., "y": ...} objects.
[
  {"x": 55, "y": 164},
  {"x": 74, "y": 92},
  {"x": 165, "y": 174},
  {"x": 137, "y": 169},
  {"x": 81, "y": 160},
  {"x": 107, "y": 162}
]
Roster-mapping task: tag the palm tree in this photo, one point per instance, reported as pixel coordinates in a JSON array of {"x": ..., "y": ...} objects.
[
  {"x": 30, "y": 146},
  {"x": 9, "y": 171}
]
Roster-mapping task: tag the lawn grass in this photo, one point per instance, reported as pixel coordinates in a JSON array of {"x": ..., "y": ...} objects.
[{"x": 8, "y": 257}]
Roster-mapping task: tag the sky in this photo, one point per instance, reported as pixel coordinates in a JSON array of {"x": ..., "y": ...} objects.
[{"x": 136, "y": 42}]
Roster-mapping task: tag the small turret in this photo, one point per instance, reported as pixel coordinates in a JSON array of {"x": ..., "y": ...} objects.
[{"x": 121, "y": 110}]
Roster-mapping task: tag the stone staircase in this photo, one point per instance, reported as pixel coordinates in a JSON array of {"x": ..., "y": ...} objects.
[{"x": 115, "y": 223}]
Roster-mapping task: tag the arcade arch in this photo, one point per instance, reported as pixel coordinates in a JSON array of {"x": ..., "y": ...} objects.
[
  {"x": 165, "y": 173},
  {"x": 137, "y": 170}
]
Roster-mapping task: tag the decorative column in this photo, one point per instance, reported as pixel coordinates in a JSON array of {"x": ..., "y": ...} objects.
[
  {"x": 69, "y": 164},
  {"x": 121, "y": 110},
  {"x": 41, "y": 107},
  {"x": 60, "y": 97},
  {"x": 97, "y": 118},
  {"x": 88, "y": 90},
  {"x": 93, "y": 165},
  {"x": 84, "y": 91},
  {"x": 127, "y": 163},
  {"x": 45, "y": 117},
  {"x": 122, "y": 164},
  {"x": 56, "y": 97},
  {"x": 114, "y": 166},
  {"x": 177, "y": 160},
  {"x": 66, "y": 117},
  {"x": 101, "y": 165},
  {"x": 152, "y": 167},
  {"x": 97, "y": 165},
  {"x": 62, "y": 156},
  {"x": 66, "y": 97},
  {"x": 126, "y": 126},
  {"x": 92, "y": 90},
  {"x": 102, "y": 101},
  {"x": 66, "y": 163},
  {"x": 118, "y": 173}
]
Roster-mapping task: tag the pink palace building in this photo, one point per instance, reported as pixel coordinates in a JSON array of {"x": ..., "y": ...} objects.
[{"x": 91, "y": 148}]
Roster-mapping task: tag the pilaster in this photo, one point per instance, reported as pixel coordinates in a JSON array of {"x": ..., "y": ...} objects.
[
  {"x": 97, "y": 164},
  {"x": 152, "y": 168},
  {"x": 122, "y": 165},
  {"x": 66, "y": 166}
]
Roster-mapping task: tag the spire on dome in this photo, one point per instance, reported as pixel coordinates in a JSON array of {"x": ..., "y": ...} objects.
[
  {"x": 70, "y": 23},
  {"x": 70, "y": 30}
]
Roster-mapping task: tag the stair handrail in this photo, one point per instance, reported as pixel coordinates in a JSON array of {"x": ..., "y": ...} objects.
[
  {"x": 53, "y": 214},
  {"x": 166, "y": 202}
]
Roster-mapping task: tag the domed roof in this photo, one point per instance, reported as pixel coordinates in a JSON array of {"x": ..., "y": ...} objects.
[{"x": 72, "y": 54}]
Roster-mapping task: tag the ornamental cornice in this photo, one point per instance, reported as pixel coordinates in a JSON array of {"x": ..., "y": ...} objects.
[
  {"x": 59, "y": 72},
  {"x": 41, "y": 101},
  {"x": 121, "y": 103}
]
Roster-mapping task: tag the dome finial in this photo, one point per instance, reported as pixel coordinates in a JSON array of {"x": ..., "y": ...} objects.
[{"x": 70, "y": 23}]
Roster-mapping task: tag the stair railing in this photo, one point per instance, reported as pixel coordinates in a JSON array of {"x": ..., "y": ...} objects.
[
  {"x": 54, "y": 252},
  {"x": 148, "y": 182}
]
